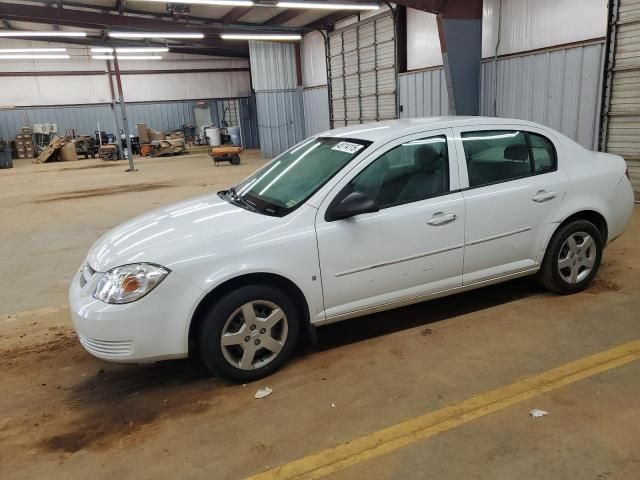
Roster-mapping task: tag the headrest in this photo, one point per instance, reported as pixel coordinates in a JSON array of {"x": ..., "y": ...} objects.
[
  {"x": 517, "y": 152},
  {"x": 427, "y": 158}
]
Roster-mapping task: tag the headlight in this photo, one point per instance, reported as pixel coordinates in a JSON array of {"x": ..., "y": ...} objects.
[{"x": 129, "y": 283}]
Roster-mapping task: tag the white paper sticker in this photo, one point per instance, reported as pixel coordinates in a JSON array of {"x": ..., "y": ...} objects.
[{"x": 347, "y": 147}]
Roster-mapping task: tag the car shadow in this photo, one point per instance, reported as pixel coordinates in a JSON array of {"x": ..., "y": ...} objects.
[{"x": 420, "y": 314}]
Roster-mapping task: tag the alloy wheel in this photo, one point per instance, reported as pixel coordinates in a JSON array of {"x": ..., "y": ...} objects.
[
  {"x": 254, "y": 335},
  {"x": 577, "y": 257}
]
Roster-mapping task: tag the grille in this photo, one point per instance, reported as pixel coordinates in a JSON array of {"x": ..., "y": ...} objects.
[
  {"x": 104, "y": 347},
  {"x": 86, "y": 272}
]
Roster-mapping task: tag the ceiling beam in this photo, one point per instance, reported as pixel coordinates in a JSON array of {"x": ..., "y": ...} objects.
[
  {"x": 218, "y": 50},
  {"x": 431, "y": 6},
  {"x": 235, "y": 14},
  {"x": 327, "y": 21},
  {"x": 193, "y": 21},
  {"x": 97, "y": 20},
  {"x": 284, "y": 17}
]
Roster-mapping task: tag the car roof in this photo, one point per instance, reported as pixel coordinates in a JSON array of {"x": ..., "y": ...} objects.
[{"x": 394, "y": 128}]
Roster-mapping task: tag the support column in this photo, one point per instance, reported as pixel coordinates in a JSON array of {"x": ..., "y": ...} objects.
[
  {"x": 123, "y": 110},
  {"x": 460, "y": 31}
]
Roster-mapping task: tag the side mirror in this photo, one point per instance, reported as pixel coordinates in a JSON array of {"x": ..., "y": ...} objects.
[{"x": 353, "y": 204}]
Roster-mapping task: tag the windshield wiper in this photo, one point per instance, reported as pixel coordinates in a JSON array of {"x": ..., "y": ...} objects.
[{"x": 237, "y": 199}]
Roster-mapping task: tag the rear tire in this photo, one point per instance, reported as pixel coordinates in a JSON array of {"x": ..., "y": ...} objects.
[
  {"x": 249, "y": 333},
  {"x": 572, "y": 258}
]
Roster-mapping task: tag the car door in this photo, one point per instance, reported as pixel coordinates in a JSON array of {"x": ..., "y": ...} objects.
[
  {"x": 514, "y": 186},
  {"x": 412, "y": 246}
]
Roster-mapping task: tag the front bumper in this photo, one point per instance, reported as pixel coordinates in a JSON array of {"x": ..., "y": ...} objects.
[{"x": 153, "y": 328}]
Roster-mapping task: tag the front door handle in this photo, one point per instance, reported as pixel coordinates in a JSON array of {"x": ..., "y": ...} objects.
[
  {"x": 543, "y": 196},
  {"x": 440, "y": 218}
]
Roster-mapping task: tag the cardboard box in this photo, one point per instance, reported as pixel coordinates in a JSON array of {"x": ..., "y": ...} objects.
[
  {"x": 22, "y": 155},
  {"x": 20, "y": 148},
  {"x": 68, "y": 152},
  {"x": 26, "y": 130},
  {"x": 28, "y": 141},
  {"x": 19, "y": 136}
]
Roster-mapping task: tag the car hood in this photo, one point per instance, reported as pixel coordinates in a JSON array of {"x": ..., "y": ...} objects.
[{"x": 161, "y": 235}]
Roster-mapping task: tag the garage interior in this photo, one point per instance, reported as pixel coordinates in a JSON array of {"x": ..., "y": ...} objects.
[{"x": 442, "y": 389}]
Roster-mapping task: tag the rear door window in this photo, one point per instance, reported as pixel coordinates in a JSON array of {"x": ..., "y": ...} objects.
[{"x": 494, "y": 156}]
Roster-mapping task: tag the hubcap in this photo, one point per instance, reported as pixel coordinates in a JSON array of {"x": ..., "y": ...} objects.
[
  {"x": 577, "y": 257},
  {"x": 254, "y": 335}
]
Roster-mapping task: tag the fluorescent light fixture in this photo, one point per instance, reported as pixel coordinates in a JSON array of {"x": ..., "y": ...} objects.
[
  {"x": 32, "y": 50},
  {"x": 128, "y": 57},
  {"x": 34, "y": 57},
  {"x": 154, "y": 35},
  {"x": 330, "y": 6},
  {"x": 130, "y": 50},
  {"x": 30, "y": 33},
  {"x": 258, "y": 36},
  {"x": 223, "y": 3}
]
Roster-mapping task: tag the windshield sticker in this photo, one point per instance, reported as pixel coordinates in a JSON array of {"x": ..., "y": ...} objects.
[{"x": 347, "y": 147}]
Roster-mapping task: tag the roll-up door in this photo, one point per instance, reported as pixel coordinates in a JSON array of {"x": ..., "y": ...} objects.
[
  {"x": 362, "y": 72},
  {"x": 621, "y": 113}
]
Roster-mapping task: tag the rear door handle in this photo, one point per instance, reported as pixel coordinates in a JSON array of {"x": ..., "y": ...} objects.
[
  {"x": 440, "y": 218},
  {"x": 543, "y": 196}
]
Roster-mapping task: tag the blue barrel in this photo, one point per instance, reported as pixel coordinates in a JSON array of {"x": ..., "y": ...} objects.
[{"x": 5, "y": 157}]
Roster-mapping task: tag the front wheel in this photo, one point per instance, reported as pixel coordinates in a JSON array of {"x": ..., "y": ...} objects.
[
  {"x": 249, "y": 333},
  {"x": 572, "y": 259}
]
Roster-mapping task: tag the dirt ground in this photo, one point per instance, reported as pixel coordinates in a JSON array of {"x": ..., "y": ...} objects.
[{"x": 66, "y": 415}]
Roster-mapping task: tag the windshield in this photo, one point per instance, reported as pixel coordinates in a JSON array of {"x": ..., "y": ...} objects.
[{"x": 291, "y": 178}]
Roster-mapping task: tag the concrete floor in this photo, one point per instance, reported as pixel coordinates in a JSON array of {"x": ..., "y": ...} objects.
[{"x": 68, "y": 415}]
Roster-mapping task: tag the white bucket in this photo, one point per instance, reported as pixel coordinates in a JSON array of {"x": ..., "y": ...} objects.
[{"x": 213, "y": 134}]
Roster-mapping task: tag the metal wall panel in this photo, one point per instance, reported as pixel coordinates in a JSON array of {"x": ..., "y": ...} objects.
[
  {"x": 83, "y": 118},
  {"x": 423, "y": 94},
  {"x": 316, "y": 110},
  {"x": 363, "y": 72},
  {"x": 280, "y": 120},
  {"x": 558, "y": 88},
  {"x": 621, "y": 113},
  {"x": 159, "y": 116},
  {"x": 533, "y": 24},
  {"x": 314, "y": 64},
  {"x": 273, "y": 65}
]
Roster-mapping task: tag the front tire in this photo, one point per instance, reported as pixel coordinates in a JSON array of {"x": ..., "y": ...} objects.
[
  {"x": 572, "y": 259},
  {"x": 249, "y": 333}
]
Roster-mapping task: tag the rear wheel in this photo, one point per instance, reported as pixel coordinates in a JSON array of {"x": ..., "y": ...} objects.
[
  {"x": 572, "y": 259},
  {"x": 249, "y": 333}
]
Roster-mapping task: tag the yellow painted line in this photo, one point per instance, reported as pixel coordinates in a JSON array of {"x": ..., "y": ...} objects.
[{"x": 405, "y": 433}]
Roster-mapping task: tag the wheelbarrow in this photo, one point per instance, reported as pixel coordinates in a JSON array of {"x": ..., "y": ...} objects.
[{"x": 225, "y": 153}]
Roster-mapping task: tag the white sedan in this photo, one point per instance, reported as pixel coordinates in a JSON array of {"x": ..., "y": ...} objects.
[{"x": 352, "y": 221}]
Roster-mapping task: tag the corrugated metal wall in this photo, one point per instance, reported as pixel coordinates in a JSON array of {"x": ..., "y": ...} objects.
[
  {"x": 273, "y": 65},
  {"x": 279, "y": 105},
  {"x": 559, "y": 88},
  {"x": 157, "y": 115},
  {"x": 280, "y": 120},
  {"x": 423, "y": 93},
  {"x": 316, "y": 110},
  {"x": 83, "y": 118}
]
